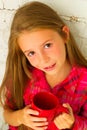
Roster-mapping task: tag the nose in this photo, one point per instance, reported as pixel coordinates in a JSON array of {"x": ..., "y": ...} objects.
[{"x": 43, "y": 58}]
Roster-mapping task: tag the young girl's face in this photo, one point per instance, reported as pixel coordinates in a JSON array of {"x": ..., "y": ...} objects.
[{"x": 45, "y": 49}]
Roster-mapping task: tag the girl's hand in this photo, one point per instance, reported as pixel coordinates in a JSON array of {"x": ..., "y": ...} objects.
[
  {"x": 29, "y": 117},
  {"x": 65, "y": 120}
]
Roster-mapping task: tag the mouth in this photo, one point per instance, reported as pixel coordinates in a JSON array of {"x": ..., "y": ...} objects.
[{"x": 49, "y": 68}]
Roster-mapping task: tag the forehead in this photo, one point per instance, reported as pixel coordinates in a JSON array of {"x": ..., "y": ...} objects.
[
  {"x": 36, "y": 37},
  {"x": 37, "y": 32}
]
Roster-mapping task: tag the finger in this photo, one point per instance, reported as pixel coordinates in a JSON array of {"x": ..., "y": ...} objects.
[
  {"x": 38, "y": 119},
  {"x": 40, "y": 128},
  {"x": 68, "y": 116},
  {"x": 32, "y": 112},
  {"x": 60, "y": 123},
  {"x": 40, "y": 124},
  {"x": 68, "y": 107},
  {"x": 68, "y": 119}
]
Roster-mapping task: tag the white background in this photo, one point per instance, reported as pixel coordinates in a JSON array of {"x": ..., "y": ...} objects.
[{"x": 73, "y": 12}]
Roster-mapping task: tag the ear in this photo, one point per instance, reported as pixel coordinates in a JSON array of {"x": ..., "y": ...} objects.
[{"x": 65, "y": 29}]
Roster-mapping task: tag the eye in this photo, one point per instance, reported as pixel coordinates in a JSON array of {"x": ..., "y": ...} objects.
[
  {"x": 47, "y": 45},
  {"x": 31, "y": 53}
]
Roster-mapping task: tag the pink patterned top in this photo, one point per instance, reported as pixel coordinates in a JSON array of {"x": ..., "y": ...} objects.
[{"x": 72, "y": 90}]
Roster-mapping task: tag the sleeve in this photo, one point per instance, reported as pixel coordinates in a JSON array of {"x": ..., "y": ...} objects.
[
  {"x": 9, "y": 102},
  {"x": 80, "y": 123},
  {"x": 81, "y": 119},
  {"x": 7, "y": 97}
]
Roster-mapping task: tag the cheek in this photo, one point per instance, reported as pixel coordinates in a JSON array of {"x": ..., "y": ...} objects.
[
  {"x": 59, "y": 52},
  {"x": 33, "y": 62},
  {"x": 55, "y": 52}
]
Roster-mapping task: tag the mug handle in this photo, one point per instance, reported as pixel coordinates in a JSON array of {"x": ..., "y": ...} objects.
[{"x": 61, "y": 109}]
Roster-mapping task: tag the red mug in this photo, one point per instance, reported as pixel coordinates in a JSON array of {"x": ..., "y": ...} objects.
[{"x": 47, "y": 105}]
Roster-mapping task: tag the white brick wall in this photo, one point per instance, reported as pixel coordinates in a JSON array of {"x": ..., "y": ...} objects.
[{"x": 73, "y": 13}]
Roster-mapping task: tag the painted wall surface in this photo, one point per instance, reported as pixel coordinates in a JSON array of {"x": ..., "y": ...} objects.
[{"x": 73, "y": 12}]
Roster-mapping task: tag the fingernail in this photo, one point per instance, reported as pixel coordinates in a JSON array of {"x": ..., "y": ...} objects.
[
  {"x": 45, "y": 119},
  {"x": 37, "y": 113},
  {"x": 45, "y": 128}
]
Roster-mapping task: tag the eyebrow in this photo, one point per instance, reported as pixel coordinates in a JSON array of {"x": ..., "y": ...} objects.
[
  {"x": 26, "y": 51},
  {"x": 46, "y": 42}
]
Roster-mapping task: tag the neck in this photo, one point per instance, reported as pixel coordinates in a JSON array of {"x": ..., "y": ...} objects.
[{"x": 59, "y": 76}]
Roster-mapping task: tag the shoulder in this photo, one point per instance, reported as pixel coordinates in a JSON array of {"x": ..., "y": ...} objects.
[
  {"x": 79, "y": 74},
  {"x": 79, "y": 70},
  {"x": 82, "y": 72}
]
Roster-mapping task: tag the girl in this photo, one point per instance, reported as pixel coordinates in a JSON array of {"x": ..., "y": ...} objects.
[{"x": 43, "y": 56}]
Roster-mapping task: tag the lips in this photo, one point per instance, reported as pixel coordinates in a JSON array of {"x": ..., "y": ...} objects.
[{"x": 50, "y": 67}]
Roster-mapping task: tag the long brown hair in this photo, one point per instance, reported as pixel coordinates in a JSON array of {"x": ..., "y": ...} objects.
[{"x": 31, "y": 16}]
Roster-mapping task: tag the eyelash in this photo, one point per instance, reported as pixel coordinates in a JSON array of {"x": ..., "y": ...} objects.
[
  {"x": 47, "y": 45},
  {"x": 30, "y": 54}
]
